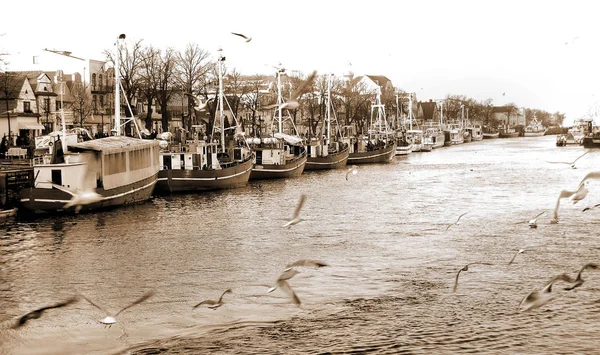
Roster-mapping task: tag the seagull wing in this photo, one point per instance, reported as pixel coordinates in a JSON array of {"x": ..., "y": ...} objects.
[
  {"x": 589, "y": 208},
  {"x": 64, "y": 189},
  {"x": 139, "y": 300},
  {"x": 539, "y": 214},
  {"x": 579, "y": 157},
  {"x": 285, "y": 287},
  {"x": 239, "y": 34},
  {"x": 592, "y": 175},
  {"x": 459, "y": 217},
  {"x": 95, "y": 305},
  {"x": 207, "y": 302},
  {"x": 456, "y": 281},
  {"x": 22, "y": 320},
  {"x": 302, "y": 87},
  {"x": 299, "y": 206},
  {"x": 307, "y": 263},
  {"x": 450, "y": 225},
  {"x": 513, "y": 258}
]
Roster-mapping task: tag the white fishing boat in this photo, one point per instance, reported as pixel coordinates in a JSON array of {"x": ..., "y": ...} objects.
[
  {"x": 453, "y": 134},
  {"x": 534, "y": 128},
  {"x": 224, "y": 162},
  {"x": 122, "y": 170},
  {"x": 281, "y": 155},
  {"x": 327, "y": 151}
]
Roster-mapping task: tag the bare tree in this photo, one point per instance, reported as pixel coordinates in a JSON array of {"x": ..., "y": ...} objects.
[
  {"x": 236, "y": 89},
  {"x": 165, "y": 84},
  {"x": 130, "y": 62},
  {"x": 149, "y": 73},
  {"x": 193, "y": 64},
  {"x": 82, "y": 102}
]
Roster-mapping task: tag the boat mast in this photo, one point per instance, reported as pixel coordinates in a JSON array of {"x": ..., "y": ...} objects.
[
  {"x": 118, "y": 86},
  {"x": 279, "y": 98},
  {"x": 410, "y": 113},
  {"x": 221, "y": 117},
  {"x": 62, "y": 111},
  {"x": 328, "y": 108}
]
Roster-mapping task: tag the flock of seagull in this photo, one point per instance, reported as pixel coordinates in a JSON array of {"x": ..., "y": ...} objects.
[{"x": 538, "y": 298}]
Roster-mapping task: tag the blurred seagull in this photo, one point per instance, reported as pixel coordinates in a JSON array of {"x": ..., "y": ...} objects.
[
  {"x": 79, "y": 198},
  {"x": 111, "y": 319},
  {"x": 520, "y": 251},
  {"x": 578, "y": 280},
  {"x": 212, "y": 303},
  {"x": 536, "y": 299},
  {"x": 295, "y": 219},
  {"x": 575, "y": 196},
  {"x": 292, "y": 103},
  {"x": 572, "y": 164},
  {"x": 248, "y": 39},
  {"x": 197, "y": 100},
  {"x": 533, "y": 222},
  {"x": 589, "y": 208},
  {"x": 353, "y": 170},
  {"x": 465, "y": 268},
  {"x": 457, "y": 222},
  {"x": 307, "y": 263},
  {"x": 284, "y": 286},
  {"x": 38, "y": 312}
]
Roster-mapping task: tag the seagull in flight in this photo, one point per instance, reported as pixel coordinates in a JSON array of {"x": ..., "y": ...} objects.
[
  {"x": 293, "y": 103},
  {"x": 536, "y": 299},
  {"x": 248, "y": 39},
  {"x": 282, "y": 283},
  {"x": 295, "y": 219},
  {"x": 520, "y": 251},
  {"x": 533, "y": 222},
  {"x": 589, "y": 208},
  {"x": 212, "y": 303},
  {"x": 306, "y": 263},
  {"x": 572, "y": 164},
  {"x": 465, "y": 268},
  {"x": 457, "y": 222},
  {"x": 38, "y": 312},
  {"x": 111, "y": 319},
  {"x": 197, "y": 100},
  {"x": 353, "y": 170},
  {"x": 79, "y": 198},
  {"x": 575, "y": 196},
  {"x": 578, "y": 280}
]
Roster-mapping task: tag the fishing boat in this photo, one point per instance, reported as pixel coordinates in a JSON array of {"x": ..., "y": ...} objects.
[
  {"x": 476, "y": 132},
  {"x": 328, "y": 151},
  {"x": 224, "y": 162},
  {"x": 490, "y": 133},
  {"x": 453, "y": 134},
  {"x": 415, "y": 137},
  {"x": 534, "y": 128},
  {"x": 507, "y": 132},
  {"x": 404, "y": 145},
  {"x": 592, "y": 137},
  {"x": 378, "y": 145},
  {"x": 120, "y": 169},
  {"x": 281, "y": 155},
  {"x": 433, "y": 137}
]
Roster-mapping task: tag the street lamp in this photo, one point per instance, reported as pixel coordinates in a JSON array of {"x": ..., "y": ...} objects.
[{"x": 118, "y": 86}]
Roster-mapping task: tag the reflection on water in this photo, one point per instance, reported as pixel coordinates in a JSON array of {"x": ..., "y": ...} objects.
[{"x": 392, "y": 265}]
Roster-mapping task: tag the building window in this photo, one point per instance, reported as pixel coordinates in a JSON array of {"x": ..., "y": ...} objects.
[
  {"x": 58, "y": 105},
  {"x": 100, "y": 82},
  {"x": 27, "y": 107},
  {"x": 46, "y": 105},
  {"x": 95, "y": 103},
  {"x": 94, "y": 81},
  {"x": 101, "y": 101}
]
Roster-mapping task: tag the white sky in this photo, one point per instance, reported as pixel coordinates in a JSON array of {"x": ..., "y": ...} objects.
[{"x": 481, "y": 49}]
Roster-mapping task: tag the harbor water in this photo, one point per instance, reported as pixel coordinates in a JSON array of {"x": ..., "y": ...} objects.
[{"x": 391, "y": 263}]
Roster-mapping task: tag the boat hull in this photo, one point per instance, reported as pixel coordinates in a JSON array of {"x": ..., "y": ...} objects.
[
  {"x": 383, "y": 155},
  {"x": 591, "y": 142},
  {"x": 533, "y": 134},
  {"x": 491, "y": 135},
  {"x": 331, "y": 161},
  {"x": 180, "y": 180},
  {"x": 35, "y": 200},
  {"x": 509, "y": 135},
  {"x": 291, "y": 169}
]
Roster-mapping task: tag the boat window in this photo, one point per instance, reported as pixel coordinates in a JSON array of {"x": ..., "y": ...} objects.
[
  {"x": 139, "y": 159},
  {"x": 57, "y": 176},
  {"x": 115, "y": 163},
  {"x": 167, "y": 163}
]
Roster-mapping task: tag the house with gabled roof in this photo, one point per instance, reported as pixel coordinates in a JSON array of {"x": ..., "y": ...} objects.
[
  {"x": 371, "y": 83},
  {"x": 429, "y": 110},
  {"x": 508, "y": 115},
  {"x": 18, "y": 106}
]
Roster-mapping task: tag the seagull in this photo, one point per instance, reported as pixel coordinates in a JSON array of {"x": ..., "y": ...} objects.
[
  {"x": 578, "y": 280},
  {"x": 353, "y": 170},
  {"x": 212, "y": 303},
  {"x": 111, "y": 319},
  {"x": 284, "y": 286},
  {"x": 533, "y": 222},
  {"x": 293, "y": 103},
  {"x": 295, "y": 219},
  {"x": 589, "y": 208},
  {"x": 465, "y": 268},
  {"x": 457, "y": 221},
  {"x": 79, "y": 198},
  {"x": 307, "y": 263},
  {"x": 38, "y": 312},
  {"x": 201, "y": 105},
  {"x": 248, "y": 39},
  {"x": 592, "y": 175},
  {"x": 520, "y": 251},
  {"x": 572, "y": 164},
  {"x": 536, "y": 299},
  {"x": 575, "y": 196}
]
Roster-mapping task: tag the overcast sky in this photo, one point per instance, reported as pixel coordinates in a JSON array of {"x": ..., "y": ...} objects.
[{"x": 537, "y": 54}]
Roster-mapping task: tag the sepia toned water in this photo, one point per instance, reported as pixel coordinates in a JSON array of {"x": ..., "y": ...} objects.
[{"x": 392, "y": 265}]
